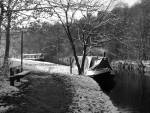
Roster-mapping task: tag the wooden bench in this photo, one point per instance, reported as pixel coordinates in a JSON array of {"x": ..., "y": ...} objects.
[
  {"x": 17, "y": 77},
  {"x": 15, "y": 70},
  {"x": 16, "y": 73}
]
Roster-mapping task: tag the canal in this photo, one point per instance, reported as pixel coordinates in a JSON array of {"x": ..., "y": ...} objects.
[{"x": 131, "y": 93}]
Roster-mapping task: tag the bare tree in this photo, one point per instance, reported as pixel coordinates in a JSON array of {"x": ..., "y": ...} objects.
[{"x": 68, "y": 11}]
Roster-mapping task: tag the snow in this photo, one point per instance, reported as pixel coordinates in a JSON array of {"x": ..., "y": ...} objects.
[{"x": 40, "y": 66}]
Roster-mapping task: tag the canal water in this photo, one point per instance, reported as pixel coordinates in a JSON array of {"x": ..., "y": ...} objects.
[{"x": 131, "y": 93}]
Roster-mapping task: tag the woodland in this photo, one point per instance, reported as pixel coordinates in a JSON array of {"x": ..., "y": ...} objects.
[{"x": 122, "y": 31}]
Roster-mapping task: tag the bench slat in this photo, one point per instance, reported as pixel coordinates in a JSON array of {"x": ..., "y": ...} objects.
[
  {"x": 19, "y": 75},
  {"x": 22, "y": 73}
]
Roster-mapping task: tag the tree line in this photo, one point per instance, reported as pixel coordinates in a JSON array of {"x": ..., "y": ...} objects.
[
  {"x": 126, "y": 38},
  {"x": 123, "y": 32}
]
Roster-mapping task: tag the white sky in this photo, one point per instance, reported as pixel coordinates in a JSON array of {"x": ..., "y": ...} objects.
[{"x": 130, "y": 2}]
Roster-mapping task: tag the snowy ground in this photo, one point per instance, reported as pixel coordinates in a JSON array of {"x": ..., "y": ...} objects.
[
  {"x": 41, "y": 66},
  {"x": 60, "y": 93},
  {"x": 56, "y": 93}
]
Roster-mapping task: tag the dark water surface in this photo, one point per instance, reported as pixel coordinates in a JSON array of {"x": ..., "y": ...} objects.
[{"x": 131, "y": 93}]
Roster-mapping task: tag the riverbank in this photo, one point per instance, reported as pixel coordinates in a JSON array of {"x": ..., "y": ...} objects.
[{"x": 61, "y": 93}]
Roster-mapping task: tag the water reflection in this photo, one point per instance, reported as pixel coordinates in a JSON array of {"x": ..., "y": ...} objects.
[
  {"x": 105, "y": 81},
  {"x": 131, "y": 92}
]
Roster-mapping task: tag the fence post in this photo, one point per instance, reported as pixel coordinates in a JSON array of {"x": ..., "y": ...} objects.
[
  {"x": 21, "y": 51},
  {"x": 70, "y": 65}
]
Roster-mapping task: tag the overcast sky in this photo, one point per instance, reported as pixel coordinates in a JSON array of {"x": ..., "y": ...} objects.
[{"x": 131, "y": 2}]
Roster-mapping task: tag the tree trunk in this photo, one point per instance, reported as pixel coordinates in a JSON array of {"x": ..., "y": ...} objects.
[
  {"x": 83, "y": 58},
  {"x": 1, "y": 18},
  {"x": 6, "y": 64},
  {"x": 74, "y": 50}
]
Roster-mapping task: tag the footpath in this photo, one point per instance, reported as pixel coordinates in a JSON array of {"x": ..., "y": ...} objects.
[{"x": 57, "y": 91}]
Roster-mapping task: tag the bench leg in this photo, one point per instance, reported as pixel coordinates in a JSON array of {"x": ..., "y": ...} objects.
[
  {"x": 12, "y": 82},
  {"x": 18, "y": 79}
]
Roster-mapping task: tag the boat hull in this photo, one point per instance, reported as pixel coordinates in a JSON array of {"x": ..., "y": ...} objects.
[{"x": 105, "y": 80}]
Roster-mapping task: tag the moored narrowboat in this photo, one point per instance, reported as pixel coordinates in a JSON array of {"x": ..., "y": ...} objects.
[{"x": 94, "y": 65}]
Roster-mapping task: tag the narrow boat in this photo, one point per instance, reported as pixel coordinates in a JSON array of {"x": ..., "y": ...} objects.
[
  {"x": 102, "y": 73},
  {"x": 98, "y": 66},
  {"x": 94, "y": 66}
]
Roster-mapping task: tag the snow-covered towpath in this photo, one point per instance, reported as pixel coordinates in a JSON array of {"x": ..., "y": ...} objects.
[
  {"x": 40, "y": 66},
  {"x": 58, "y": 93}
]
